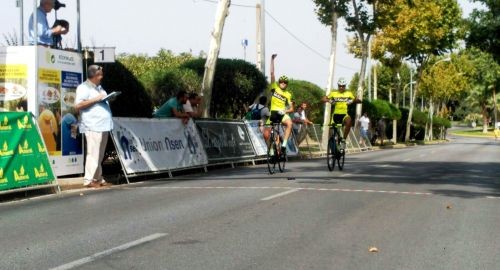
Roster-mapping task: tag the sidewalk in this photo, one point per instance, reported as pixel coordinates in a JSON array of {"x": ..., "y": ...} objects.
[
  {"x": 75, "y": 183},
  {"x": 67, "y": 183}
]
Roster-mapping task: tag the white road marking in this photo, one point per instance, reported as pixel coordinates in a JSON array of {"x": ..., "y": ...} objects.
[
  {"x": 105, "y": 253},
  {"x": 408, "y": 159},
  {"x": 294, "y": 189},
  {"x": 492, "y": 197},
  {"x": 280, "y": 194}
]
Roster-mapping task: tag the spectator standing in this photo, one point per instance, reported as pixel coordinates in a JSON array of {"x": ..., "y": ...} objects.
[
  {"x": 174, "y": 107},
  {"x": 44, "y": 32},
  {"x": 300, "y": 122},
  {"x": 261, "y": 108},
  {"x": 96, "y": 122},
  {"x": 364, "y": 123},
  {"x": 301, "y": 110},
  {"x": 381, "y": 130}
]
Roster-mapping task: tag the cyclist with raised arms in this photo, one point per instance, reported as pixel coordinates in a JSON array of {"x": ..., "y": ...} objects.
[
  {"x": 341, "y": 99},
  {"x": 280, "y": 99}
]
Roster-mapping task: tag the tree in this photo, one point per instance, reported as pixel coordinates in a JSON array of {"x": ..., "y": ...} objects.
[
  {"x": 417, "y": 31},
  {"x": 134, "y": 101},
  {"x": 162, "y": 84},
  {"x": 484, "y": 28},
  {"x": 309, "y": 93},
  {"x": 237, "y": 82},
  {"x": 328, "y": 12},
  {"x": 11, "y": 39},
  {"x": 485, "y": 78},
  {"x": 362, "y": 20},
  {"x": 139, "y": 64},
  {"x": 440, "y": 82}
]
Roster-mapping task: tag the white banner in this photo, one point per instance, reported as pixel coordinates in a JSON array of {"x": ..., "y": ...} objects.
[
  {"x": 260, "y": 144},
  {"x": 150, "y": 145},
  {"x": 257, "y": 138}
]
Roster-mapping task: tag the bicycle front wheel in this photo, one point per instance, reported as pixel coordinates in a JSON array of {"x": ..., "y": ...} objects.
[
  {"x": 281, "y": 161},
  {"x": 272, "y": 155},
  {"x": 340, "y": 159},
  {"x": 330, "y": 154}
]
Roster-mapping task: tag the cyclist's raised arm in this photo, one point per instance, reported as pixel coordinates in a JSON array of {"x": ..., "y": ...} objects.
[
  {"x": 325, "y": 99},
  {"x": 273, "y": 78}
]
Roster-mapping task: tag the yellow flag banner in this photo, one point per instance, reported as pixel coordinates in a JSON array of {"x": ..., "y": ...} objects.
[{"x": 23, "y": 158}]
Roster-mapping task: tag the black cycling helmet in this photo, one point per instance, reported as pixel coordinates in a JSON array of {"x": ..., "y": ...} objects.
[{"x": 283, "y": 79}]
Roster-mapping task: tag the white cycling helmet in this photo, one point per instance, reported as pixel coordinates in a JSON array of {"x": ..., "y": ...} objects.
[{"x": 342, "y": 82}]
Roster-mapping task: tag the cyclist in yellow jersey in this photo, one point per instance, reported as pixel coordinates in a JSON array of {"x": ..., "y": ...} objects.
[
  {"x": 281, "y": 103},
  {"x": 341, "y": 99}
]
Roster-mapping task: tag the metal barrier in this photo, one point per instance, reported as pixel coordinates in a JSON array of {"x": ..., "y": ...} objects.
[
  {"x": 309, "y": 140},
  {"x": 151, "y": 146}
]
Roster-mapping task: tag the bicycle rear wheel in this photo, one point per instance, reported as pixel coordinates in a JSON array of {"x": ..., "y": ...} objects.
[
  {"x": 330, "y": 154},
  {"x": 272, "y": 156}
]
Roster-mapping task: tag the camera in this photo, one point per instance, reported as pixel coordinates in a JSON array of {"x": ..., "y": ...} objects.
[{"x": 58, "y": 5}]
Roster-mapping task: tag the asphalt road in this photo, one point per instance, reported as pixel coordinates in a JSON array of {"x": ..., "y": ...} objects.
[{"x": 423, "y": 207}]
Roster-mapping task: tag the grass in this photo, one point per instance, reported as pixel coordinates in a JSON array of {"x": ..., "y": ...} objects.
[{"x": 476, "y": 132}]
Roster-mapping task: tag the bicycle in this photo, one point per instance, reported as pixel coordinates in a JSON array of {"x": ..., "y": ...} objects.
[
  {"x": 334, "y": 152},
  {"x": 274, "y": 153}
]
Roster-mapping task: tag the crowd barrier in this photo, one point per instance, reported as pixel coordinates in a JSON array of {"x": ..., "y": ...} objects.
[{"x": 151, "y": 146}]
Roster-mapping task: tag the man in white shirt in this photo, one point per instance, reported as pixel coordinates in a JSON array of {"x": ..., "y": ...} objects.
[
  {"x": 96, "y": 123},
  {"x": 192, "y": 105},
  {"x": 364, "y": 122}
]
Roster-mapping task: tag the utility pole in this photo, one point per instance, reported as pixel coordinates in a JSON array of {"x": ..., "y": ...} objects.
[
  {"x": 370, "y": 69},
  {"x": 375, "y": 82},
  {"x": 331, "y": 73},
  {"x": 21, "y": 21},
  {"x": 78, "y": 27},
  {"x": 213, "y": 54},
  {"x": 261, "y": 36}
]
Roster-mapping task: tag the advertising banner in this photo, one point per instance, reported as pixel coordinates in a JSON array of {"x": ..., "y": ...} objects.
[
  {"x": 43, "y": 81},
  {"x": 15, "y": 87},
  {"x": 23, "y": 157},
  {"x": 59, "y": 74},
  {"x": 151, "y": 145},
  {"x": 225, "y": 140}
]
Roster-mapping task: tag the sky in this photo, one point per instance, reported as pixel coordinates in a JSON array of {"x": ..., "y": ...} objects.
[{"x": 292, "y": 31}]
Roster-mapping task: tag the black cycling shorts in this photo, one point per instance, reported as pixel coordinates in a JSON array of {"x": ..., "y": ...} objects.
[
  {"x": 276, "y": 117},
  {"x": 339, "y": 118}
]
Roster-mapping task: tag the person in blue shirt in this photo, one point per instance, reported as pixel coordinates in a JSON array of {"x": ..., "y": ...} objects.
[
  {"x": 174, "y": 107},
  {"x": 44, "y": 32}
]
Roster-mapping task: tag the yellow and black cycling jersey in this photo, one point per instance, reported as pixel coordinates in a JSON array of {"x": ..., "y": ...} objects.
[
  {"x": 279, "y": 98},
  {"x": 341, "y": 101}
]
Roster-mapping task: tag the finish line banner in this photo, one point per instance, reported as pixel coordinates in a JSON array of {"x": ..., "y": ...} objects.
[
  {"x": 151, "y": 145},
  {"x": 225, "y": 140},
  {"x": 24, "y": 160}
]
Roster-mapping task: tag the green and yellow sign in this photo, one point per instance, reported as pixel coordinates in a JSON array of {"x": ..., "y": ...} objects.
[{"x": 23, "y": 157}]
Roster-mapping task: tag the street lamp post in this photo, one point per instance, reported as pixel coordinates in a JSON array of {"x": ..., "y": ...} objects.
[
  {"x": 244, "y": 43},
  {"x": 411, "y": 91}
]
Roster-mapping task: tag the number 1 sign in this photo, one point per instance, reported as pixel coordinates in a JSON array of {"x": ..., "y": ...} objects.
[{"x": 104, "y": 55}]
